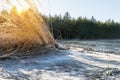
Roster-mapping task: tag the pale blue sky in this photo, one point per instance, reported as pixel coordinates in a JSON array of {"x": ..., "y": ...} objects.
[{"x": 100, "y": 9}]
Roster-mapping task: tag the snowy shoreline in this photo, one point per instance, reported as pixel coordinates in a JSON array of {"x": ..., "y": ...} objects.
[{"x": 74, "y": 64}]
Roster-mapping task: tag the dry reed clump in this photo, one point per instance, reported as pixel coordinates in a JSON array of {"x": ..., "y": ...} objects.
[{"x": 24, "y": 33}]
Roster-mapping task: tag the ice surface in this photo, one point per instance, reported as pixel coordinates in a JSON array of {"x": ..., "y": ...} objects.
[{"x": 78, "y": 63}]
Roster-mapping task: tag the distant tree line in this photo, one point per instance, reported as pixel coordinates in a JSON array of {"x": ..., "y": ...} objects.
[{"x": 67, "y": 27}]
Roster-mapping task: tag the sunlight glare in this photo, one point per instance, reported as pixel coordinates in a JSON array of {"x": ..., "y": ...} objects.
[
  {"x": 19, "y": 10},
  {"x": 20, "y": 5}
]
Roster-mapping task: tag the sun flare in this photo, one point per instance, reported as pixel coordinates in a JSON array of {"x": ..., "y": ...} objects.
[
  {"x": 19, "y": 10},
  {"x": 20, "y": 5}
]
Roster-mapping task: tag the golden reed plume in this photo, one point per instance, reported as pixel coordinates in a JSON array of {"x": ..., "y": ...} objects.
[{"x": 22, "y": 28}]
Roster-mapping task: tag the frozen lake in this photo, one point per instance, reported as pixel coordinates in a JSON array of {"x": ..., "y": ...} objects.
[
  {"x": 107, "y": 46},
  {"x": 85, "y": 60}
]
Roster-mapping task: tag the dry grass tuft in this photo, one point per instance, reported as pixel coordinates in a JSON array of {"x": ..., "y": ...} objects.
[{"x": 23, "y": 33}]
